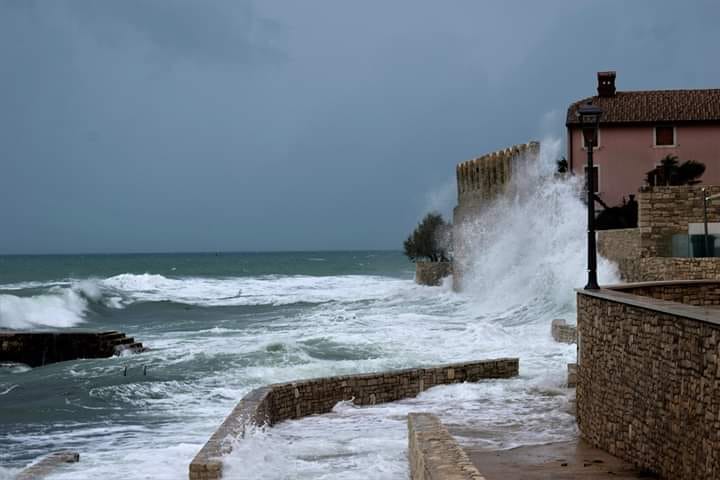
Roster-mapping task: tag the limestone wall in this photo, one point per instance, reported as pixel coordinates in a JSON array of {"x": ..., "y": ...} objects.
[
  {"x": 432, "y": 273},
  {"x": 275, "y": 403},
  {"x": 562, "y": 332},
  {"x": 479, "y": 182},
  {"x": 643, "y": 254},
  {"x": 434, "y": 454},
  {"x": 655, "y": 269},
  {"x": 619, "y": 244},
  {"x": 47, "y": 465},
  {"x": 649, "y": 378},
  {"x": 666, "y": 211},
  {"x": 697, "y": 292}
]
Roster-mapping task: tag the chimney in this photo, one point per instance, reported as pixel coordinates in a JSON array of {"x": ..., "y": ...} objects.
[{"x": 606, "y": 84}]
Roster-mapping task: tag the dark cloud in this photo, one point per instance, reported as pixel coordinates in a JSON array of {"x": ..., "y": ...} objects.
[{"x": 187, "y": 125}]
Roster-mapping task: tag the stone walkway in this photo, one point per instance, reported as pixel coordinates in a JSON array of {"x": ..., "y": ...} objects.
[{"x": 554, "y": 461}]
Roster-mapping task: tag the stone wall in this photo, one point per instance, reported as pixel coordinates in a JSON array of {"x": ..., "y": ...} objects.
[
  {"x": 434, "y": 454},
  {"x": 482, "y": 179},
  {"x": 562, "y": 332},
  {"x": 656, "y": 269},
  {"x": 649, "y": 378},
  {"x": 643, "y": 254},
  {"x": 275, "y": 403},
  {"x": 40, "y": 348},
  {"x": 619, "y": 244},
  {"x": 48, "y": 465},
  {"x": 698, "y": 292},
  {"x": 666, "y": 211},
  {"x": 479, "y": 182},
  {"x": 432, "y": 273}
]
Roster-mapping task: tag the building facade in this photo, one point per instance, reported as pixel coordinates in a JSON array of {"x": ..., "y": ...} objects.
[{"x": 640, "y": 128}]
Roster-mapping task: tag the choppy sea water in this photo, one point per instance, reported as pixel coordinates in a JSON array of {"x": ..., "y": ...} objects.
[
  {"x": 220, "y": 325},
  {"x": 213, "y": 336}
]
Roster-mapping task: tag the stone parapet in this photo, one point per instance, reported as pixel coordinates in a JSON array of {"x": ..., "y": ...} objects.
[
  {"x": 283, "y": 401},
  {"x": 432, "y": 273},
  {"x": 648, "y": 386},
  {"x": 562, "y": 332},
  {"x": 434, "y": 454},
  {"x": 689, "y": 292},
  {"x": 656, "y": 269}
]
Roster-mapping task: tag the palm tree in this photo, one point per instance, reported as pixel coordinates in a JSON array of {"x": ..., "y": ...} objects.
[{"x": 671, "y": 173}]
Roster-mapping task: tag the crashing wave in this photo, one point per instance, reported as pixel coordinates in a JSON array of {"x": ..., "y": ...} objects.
[{"x": 61, "y": 307}]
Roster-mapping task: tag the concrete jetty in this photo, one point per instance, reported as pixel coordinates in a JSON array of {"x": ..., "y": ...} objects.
[{"x": 41, "y": 348}]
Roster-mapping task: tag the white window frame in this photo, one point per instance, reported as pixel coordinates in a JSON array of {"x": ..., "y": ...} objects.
[
  {"x": 582, "y": 140},
  {"x": 675, "y": 142}
]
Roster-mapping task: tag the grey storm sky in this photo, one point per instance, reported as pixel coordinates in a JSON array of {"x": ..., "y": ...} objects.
[{"x": 159, "y": 125}]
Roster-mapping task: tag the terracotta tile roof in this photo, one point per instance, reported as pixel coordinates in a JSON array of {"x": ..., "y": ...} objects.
[{"x": 655, "y": 106}]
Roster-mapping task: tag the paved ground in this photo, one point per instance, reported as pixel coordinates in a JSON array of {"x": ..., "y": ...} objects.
[{"x": 553, "y": 461}]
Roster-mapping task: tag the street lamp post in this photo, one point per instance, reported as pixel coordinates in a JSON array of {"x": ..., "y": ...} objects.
[{"x": 589, "y": 116}]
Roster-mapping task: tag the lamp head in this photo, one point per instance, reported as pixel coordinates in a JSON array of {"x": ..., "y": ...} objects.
[{"x": 589, "y": 116}]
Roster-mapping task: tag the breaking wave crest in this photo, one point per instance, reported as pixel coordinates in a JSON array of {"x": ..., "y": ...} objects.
[
  {"x": 59, "y": 308},
  {"x": 66, "y": 304},
  {"x": 237, "y": 291}
]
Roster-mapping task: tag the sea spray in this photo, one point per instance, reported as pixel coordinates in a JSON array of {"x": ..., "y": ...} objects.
[{"x": 531, "y": 243}]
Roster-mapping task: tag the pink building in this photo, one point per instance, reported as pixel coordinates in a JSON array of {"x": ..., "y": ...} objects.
[{"x": 638, "y": 129}]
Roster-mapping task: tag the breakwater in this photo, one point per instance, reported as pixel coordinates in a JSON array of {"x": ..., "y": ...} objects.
[
  {"x": 275, "y": 403},
  {"x": 47, "y": 465},
  {"x": 41, "y": 348}
]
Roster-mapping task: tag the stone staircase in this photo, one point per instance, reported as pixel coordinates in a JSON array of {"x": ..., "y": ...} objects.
[{"x": 119, "y": 344}]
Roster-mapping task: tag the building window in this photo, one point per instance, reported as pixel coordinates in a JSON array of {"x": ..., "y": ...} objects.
[
  {"x": 582, "y": 139},
  {"x": 665, "y": 136},
  {"x": 596, "y": 178}
]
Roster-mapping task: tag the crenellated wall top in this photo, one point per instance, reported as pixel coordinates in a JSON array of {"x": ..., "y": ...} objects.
[{"x": 481, "y": 177}]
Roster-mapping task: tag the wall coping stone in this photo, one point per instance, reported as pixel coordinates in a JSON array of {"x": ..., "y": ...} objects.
[
  {"x": 661, "y": 283},
  {"x": 47, "y": 465},
  {"x": 613, "y": 294}
]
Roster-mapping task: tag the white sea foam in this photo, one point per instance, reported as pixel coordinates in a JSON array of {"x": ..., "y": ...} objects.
[
  {"x": 263, "y": 290},
  {"x": 8, "y": 473},
  {"x": 60, "y": 307}
]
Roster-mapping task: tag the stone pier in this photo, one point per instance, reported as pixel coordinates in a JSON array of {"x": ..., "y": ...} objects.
[{"x": 41, "y": 348}]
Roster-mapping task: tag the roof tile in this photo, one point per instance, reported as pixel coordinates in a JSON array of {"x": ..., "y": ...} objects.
[{"x": 655, "y": 106}]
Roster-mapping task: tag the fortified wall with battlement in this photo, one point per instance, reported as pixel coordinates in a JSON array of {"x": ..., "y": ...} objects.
[{"x": 479, "y": 182}]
